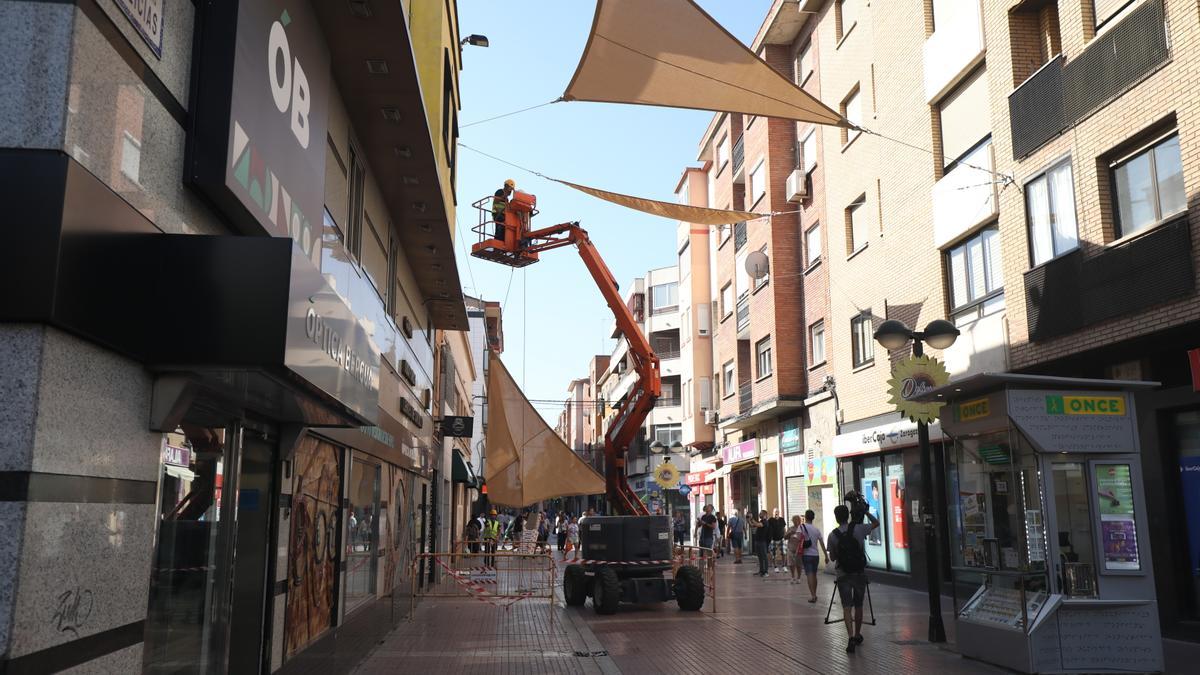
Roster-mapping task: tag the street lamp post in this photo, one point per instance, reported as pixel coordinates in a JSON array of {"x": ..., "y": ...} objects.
[{"x": 940, "y": 334}]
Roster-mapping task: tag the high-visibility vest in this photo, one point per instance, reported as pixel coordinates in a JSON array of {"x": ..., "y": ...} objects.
[
  {"x": 491, "y": 530},
  {"x": 499, "y": 203}
]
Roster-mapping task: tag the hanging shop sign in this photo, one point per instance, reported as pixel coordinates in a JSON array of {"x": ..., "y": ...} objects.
[
  {"x": 914, "y": 377},
  {"x": 684, "y": 489},
  {"x": 1074, "y": 421},
  {"x": 793, "y": 465},
  {"x": 458, "y": 427},
  {"x": 697, "y": 477},
  {"x": 257, "y": 143},
  {"x": 789, "y": 436},
  {"x": 666, "y": 475},
  {"x": 969, "y": 411},
  {"x": 147, "y": 17},
  {"x": 176, "y": 456},
  {"x": 739, "y": 452}
]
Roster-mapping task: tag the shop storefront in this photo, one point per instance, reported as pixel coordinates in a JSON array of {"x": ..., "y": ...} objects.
[
  {"x": 879, "y": 460},
  {"x": 740, "y": 471},
  {"x": 1052, "y": 557},
  {"x": 792, "y": 468}
]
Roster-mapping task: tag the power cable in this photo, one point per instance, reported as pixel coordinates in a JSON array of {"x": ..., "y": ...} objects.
[{"x": 510, "y": 114}]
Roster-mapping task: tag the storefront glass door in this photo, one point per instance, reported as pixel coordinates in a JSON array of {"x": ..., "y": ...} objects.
[
  {"x": 1075, "y": 568},
  {"x": 1187, "y": 434},
  {"x": 362, "y": 538},
  {"x": 183, "y": 622}
]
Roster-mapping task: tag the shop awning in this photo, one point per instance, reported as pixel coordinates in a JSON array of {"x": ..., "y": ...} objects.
[
  {"x": 671, "y": 53},
  {"x": 461, "y": 471},
  {"x": 699, "y": 215},
  {"x": 742, "y": 464},
  {"x": 527, "y": 461}
]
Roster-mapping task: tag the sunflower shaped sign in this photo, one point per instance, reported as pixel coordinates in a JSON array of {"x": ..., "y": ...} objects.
[
  {"x": 913, "y": 377},
  {"x": 666, "y": 475}
]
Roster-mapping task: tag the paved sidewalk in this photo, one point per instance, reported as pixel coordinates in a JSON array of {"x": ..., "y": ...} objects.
[{"x": 764, "y": 626}]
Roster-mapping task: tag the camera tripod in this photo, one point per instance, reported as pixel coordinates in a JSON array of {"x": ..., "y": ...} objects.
[{"x": 870, "y": 606}]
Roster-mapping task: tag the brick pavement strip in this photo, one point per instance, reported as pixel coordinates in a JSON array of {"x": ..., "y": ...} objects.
[{"x": 764, "y": 626}]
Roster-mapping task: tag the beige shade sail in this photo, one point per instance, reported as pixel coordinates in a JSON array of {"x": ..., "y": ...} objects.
[
  {"x": 671, "y": 53},
  {"x": 526, "y": 461},
  {"x": 688, "y": 214}
]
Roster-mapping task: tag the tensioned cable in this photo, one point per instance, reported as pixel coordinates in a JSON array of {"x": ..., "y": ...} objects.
[{"x": 510, "y": 114}]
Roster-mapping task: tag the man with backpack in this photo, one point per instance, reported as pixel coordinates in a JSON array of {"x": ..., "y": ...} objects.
[
  {"x": 846, "y": 549},
  {"x": 737, "y": 535}
]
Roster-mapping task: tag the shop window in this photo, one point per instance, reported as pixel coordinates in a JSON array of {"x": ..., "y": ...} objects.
[
  {"x": 895, "y": 513},
  {"x": 1148, "y": 186},
  {"x": 362, "y": 534},
  {"x": 871, "y": 488},
  {"x": 1073, "y": 516},
  {"x": 1050, "y": 209}
]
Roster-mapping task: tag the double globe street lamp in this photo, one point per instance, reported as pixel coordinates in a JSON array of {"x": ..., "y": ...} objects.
[{"x": 939, "y": 334}]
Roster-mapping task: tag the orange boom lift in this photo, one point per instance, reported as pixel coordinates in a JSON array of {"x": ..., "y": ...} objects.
[{"x": 520, "y": 246}]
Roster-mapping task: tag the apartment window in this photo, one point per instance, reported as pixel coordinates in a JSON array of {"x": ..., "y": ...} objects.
[
  {"x": 726, "y": 231},
  {"x": 762, "y": 281},
  {"x": 726, "y": 300},
  {"x": 808, "y": 151},
  {"x": 685, "y": 261},
  {"x": 812, "y": 245},
  {"x": 965, "y": 117},
  {"x": 1149, "y": 186},
  {"x": 375, "y": 258},
  {"x": 358, "y": 182},
  {"x": 712, "y": 189},
  {"x": 722, "y": 153},
  {"x": 816, "y": 338},
  {"x": 852, "y": 111},
  {"x": 976, "y": 282},
  {"x": 847, "y": 16},
  {"x": 762, "y": 357},
  {"x": 804, "y": 64},
  {"x": 856, "y": 224},
  {"x": 1107, "y": 10},
  {"x": 727, "y": 379},
  {"x": 706, "y": 393},
  {"x": 862, "y": 339},
  {"x": 682, "y": 195},
  {"x": 1050, "y": 210},
  {"x": 668, "y": 434},
  {"x": 664, "y": 298},
  {"x": 741, "y": 278},
  {"x": 758, "y": 183}
]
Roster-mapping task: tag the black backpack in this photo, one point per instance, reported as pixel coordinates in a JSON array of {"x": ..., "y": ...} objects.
[{"x": 851, "y": 557}]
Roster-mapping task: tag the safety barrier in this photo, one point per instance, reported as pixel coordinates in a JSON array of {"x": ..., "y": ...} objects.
[
  {"x": 497, "y": 578},
  {"x": 703, "y": 558},
  {"x": 477, "y": 546}
]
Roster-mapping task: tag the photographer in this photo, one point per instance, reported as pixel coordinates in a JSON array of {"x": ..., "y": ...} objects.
[{"x": 847, "y": 550}]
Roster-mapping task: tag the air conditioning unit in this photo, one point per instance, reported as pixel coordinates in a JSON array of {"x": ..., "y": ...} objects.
[
  {"x": 712, "y": 417},
  {"x": 797, "y": 186}
]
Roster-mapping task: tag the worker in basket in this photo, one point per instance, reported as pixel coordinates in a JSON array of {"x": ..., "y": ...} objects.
[{"x": 499, "y": 203}]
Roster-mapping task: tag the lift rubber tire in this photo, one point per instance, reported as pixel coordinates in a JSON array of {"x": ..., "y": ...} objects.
[
  {"x": 606, "y": 591},
  {"x": 689, "y": 588},
  {"x": 575, "y": 586}
]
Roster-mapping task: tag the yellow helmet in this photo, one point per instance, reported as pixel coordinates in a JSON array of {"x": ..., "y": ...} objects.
[{"x": 510, "y": 183}]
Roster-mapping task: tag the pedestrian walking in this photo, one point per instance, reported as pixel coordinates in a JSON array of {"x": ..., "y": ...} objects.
[
  {"x": 794, "y": 539},
  {"x": 760, "y": 535},
  {"x": 573, "y": 540},
  {"x": 679, "y": 528},
  {"x": 706, "y": 527},
  {"x": 737, "y": 535},
  {"x": 777, "y": 529},
  {"x": 560, "y": 529},
  {"x": 813, "y": 539},
  {"x": 471, "y": 533},
  {"x": 722, "y": 539},
  {"x": 847, "y": 550}
]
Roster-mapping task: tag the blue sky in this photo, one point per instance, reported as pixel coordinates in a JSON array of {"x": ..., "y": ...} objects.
[{"x": 554, "y": 317}]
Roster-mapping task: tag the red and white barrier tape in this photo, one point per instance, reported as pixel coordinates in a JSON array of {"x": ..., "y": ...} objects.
[{"x": 479, "y": 592}]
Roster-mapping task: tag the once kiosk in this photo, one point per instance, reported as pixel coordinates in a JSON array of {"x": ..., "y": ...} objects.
[{"x": 1047, "y": 518}]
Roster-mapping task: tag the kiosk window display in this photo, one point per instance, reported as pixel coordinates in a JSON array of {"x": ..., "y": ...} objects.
[{"x": 1050, "y": 556}]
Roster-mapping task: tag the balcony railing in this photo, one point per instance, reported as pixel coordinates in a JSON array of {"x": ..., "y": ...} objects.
[
  {"x": 664, "y": 402},
  {"x": 739, "y": 153},
  {"x": 667, "y": 354},
  {"x": 743, "y": 313},
  {"x": 1070, "y": 292},
  {"x": 745, "y": 398},
  {"x": 1061, "y": 95}
]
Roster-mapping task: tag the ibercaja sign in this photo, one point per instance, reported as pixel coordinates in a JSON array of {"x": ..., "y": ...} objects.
[{"x": 260, "y": 111}]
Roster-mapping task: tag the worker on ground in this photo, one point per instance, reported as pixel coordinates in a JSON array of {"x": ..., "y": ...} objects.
[
  {"x": 491, "y": 536},
  {"x": 500, "y": 203}
]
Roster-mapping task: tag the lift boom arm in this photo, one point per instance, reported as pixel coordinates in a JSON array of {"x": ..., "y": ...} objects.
[{"x": 646, "y": 390}]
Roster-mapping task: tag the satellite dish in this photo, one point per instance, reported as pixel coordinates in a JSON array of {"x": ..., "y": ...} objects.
[{"x": 757, "y": 265}]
